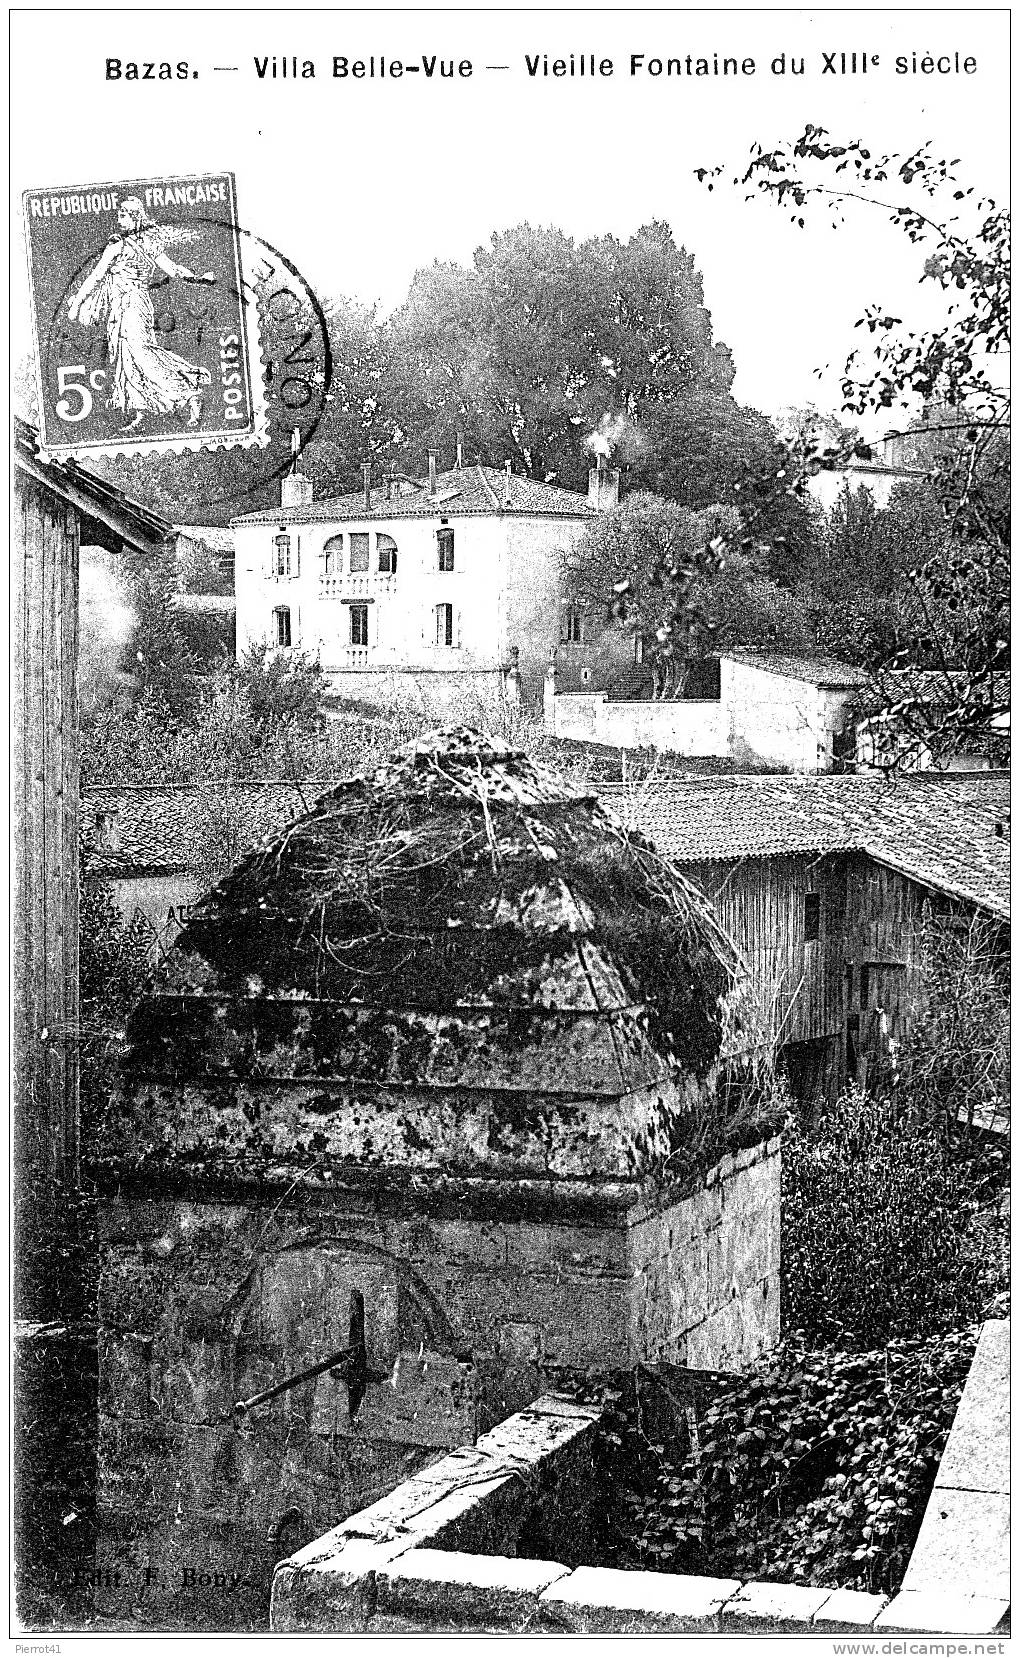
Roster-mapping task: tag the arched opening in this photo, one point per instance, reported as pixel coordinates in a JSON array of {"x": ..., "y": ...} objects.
[{"x": 333, "y": 556}]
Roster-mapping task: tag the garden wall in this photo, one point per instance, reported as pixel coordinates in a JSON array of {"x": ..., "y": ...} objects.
[
  {"x": 474, "y": 698},
  {"x": 459, "y": 1546},
  {"x": 688, "y": 728},
  {"x": 445, "y": 1551},
  {"x": 958, "y": 1577}
]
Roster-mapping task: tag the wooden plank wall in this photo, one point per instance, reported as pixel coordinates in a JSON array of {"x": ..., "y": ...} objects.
[
  {"x": 44, "y": 812},
  {"x": 884, "y": 941},
  {"x": 860, "y": 985},
  {"x": 760, "y": 902}
]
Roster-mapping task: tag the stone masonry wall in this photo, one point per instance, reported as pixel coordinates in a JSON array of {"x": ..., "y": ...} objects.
[
  {"x": 204, "y": 1305},
  {"x": 721, "y": 1312},
  {"x": 680, "y": 727},
  {"x": 443, "y": 1553},
  {"x": 466, "y": 1318}
]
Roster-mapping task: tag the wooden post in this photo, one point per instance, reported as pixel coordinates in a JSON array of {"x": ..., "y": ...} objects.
[{"x": 44, "y": 740}]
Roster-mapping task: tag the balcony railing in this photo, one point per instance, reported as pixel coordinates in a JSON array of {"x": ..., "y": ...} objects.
[{"x": 369, "y": 586}]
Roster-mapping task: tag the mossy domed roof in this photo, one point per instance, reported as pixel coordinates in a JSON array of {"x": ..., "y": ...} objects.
[{"x": 459, "y": 961}]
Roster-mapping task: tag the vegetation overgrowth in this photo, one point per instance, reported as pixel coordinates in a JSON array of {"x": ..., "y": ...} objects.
[{"x": 816, "y": 1467}]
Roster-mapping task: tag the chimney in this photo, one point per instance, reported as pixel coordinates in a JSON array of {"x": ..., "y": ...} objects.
[
  {"x": 460, "y": 447},
  {"x": 366, "y": 473},
  {"x": 506, "y": 487},
  {"x": 432, "y": 472},
  {"x": 389, "y": 482},
  {"x": 603, "y": 486},
  {"x": 295, "y": 488}
]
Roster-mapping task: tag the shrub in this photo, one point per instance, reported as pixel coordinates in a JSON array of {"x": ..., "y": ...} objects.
[
  {"x": 815, "y": 1468},
  {"x": 957, "y": 1062},
  {"x": 280, "y": 690},
  {"x": 878, "y": 1237},
  {"x": 156, "y": 655}
]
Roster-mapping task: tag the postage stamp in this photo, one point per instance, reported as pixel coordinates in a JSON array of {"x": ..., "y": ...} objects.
[{"x": 141, "y": 326}]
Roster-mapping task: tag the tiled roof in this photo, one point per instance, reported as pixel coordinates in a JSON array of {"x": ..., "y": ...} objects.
[
  {"x": 817, "y": 670},
  {"x": 136, "y": 524},
  {"x": 943, "y": 831},
  {"x": 890, "y": 468},
  {"x": 217, "y": 537},
  {"x": 470, "y": 491},
  {"x": 158, "y": 830},
  {"x": 948, "y": 832},
  {"x": 934, "y": 686}
]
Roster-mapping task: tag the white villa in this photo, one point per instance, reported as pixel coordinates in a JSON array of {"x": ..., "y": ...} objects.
[{"x": 450, "y": 584}]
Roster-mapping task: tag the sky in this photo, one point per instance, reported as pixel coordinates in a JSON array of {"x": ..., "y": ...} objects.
[{"x": 361, "y": 181}]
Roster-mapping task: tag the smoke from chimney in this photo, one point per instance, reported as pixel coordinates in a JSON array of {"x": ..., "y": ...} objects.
[{"x": 616, "y": 435}]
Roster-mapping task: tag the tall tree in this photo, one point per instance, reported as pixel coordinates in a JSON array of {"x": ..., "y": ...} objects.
[
  {"x": 658, "y": 570},
  {"x": 545, "y": 344},
  {"x": 963, "y": 242}
]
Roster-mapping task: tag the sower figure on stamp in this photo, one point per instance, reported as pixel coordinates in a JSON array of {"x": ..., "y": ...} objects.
[{"x": 146, "y": 378}]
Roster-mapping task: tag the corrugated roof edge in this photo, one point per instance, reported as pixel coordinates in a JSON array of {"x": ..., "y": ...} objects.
[
  {"x": 449, "y": 501},
  {"x": 440, "y": 509},
  {"x": 826, "y": 672},
  {"x": 944, "y": 883}
]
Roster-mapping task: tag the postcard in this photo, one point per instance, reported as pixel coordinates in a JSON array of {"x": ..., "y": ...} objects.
[{"x": 510, "y": 824}]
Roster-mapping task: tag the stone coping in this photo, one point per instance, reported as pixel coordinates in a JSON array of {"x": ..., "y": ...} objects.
[
  {"x": 424, "y": 1557},
  {"x": 466, "y": 1497},
  {"x": 436, "y": 1589},
  {"x": 957, "y": 1581},
  {"x": 362, "y": 1191}
]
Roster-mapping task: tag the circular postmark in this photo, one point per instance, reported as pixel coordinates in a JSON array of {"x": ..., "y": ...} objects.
[{"x": 246, "y": 336}]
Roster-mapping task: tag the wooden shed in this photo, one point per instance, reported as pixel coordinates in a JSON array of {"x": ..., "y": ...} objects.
[
  {"x": 822, "y": 882},
  {"x": 57, "y": 507}
]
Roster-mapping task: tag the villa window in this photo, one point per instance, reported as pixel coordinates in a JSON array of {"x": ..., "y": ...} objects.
[
  {"x": 333, "y": 556},
  {"x": 444, "y": 541},
  {"x": 359, "y": 552},
  {"x": 359, "y": 624},
  {"x": 573, "y": 625},
  {"x": 812, "y": 916},
  {"x": 444, "y": 624},
  {"x": 386, "y": 547},
  {"x": 281, "y": 626},
  {"x": 281, "y": 554}
]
